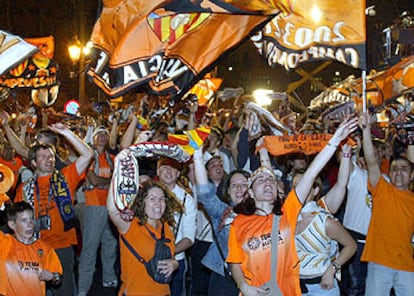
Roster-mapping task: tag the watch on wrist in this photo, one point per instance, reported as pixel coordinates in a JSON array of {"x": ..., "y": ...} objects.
[
  {"x": 336, "y": 267},
  {"x": 56, "y": 277}
]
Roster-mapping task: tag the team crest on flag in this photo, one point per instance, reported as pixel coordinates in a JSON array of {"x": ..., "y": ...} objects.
[{"x": 172, "y": 27}]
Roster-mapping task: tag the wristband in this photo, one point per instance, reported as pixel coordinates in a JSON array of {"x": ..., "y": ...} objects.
[{"x": 346, "y": 155}]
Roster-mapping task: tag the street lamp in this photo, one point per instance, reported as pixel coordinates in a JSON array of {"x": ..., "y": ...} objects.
[
  {"x": 262, "y": 97},
  {"x": 77, "y": 53}
]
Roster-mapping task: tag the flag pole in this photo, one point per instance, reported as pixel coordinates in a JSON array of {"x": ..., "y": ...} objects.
[
  {"x": 364, "y": 71},
  {"x": 364, "y": 91}
]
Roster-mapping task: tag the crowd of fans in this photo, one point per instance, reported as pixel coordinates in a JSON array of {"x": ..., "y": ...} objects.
[{"x": 347, "y": 211}]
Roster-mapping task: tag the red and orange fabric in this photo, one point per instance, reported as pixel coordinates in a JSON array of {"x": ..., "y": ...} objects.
[
  {"x": 302, "y": 143},
  {"x": 45, "y": 44},
  {"x": 170, "y": 60},
  {"x": 191, "y": 140},
  {"x": 205, "y": 89}
]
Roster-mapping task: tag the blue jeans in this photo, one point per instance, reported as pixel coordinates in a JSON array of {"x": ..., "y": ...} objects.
[
  {"x": 177, "y": 285},
  {"x": 354, "y": 273},
  {"x": 200, "y": 275},
  {"x": 316, "y": 290},
  {"x": 380, "y": 280}
]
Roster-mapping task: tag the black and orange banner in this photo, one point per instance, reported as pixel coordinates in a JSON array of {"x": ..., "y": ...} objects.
[
  {"x": 165, "y": 47},
  {"x": 34, "y": 72},
  {"x": 317, "y": 30}
]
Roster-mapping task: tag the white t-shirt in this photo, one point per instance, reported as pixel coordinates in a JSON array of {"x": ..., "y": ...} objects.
[
  {"x": 187, "y": 227},
  {"x": 358, "y": 204}
]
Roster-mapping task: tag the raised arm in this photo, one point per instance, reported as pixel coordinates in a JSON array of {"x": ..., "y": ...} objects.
[
  {"x": 115, "y": 215},
  {"x": 263, "y": 154},
  {"x": 336, "y": 194},
  {"x": 306, "y": 182},
  {"x": 128, "y": 137},
  {"x": 374, "y": 170},
  {"x": 14, "y": 140},
  {"x": 200, "y": 171},
  {"x": 113, "y": 137},
  {"x": 84, "y": 151}
]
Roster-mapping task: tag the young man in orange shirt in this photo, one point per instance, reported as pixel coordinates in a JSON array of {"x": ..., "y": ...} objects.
[
  {"x": 26, "y": 264},
  {"x": 388, "y": 248}
]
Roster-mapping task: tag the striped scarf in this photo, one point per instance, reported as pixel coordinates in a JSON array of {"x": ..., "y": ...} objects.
[{"x": 60, "y": 193}]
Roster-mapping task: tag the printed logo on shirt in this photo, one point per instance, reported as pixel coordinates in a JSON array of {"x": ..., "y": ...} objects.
[
  {"x": 264, "y": 241},
  {"x": 28, "y": 266}
]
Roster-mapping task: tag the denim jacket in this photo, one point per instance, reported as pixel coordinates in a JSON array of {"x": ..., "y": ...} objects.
[{"x": 215, "y": 208}]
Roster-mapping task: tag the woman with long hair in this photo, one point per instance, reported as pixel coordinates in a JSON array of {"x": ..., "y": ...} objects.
[
  {"x": 250, "y": 243},
  {"x": 153, "y": 213},
  {"x": 221, "y": 215}
]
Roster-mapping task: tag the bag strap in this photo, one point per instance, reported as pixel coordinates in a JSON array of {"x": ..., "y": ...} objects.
[
  {"x": 273, "y": 250},
  {"x": 181, "y": 216},
  {"x": 132, "y": 250},
  {"x": 153, "y": 235},
  {"x": 273, "y": 257}
]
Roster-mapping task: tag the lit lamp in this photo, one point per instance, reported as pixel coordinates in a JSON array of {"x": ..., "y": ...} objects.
[
  {"x": 262, "y": 97},
  {"x": 77, "y": 53},
  {"x": 75, "y": 50}
]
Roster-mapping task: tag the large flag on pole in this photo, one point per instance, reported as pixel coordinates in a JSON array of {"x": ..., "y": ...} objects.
[
  {"x": 317, "y": 30},
  {"x": 165, "y": 47},
  {"x": 13, "y": 50}
]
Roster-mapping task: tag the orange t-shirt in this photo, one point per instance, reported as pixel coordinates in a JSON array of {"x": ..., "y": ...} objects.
[
  {"x": 97, "y": 196},
  {"x": 385, "y": 166},
  {"x": 134, "y": 276},
  {"x": 22, "y": 265},
  {"x": 391, "y": 228},
  {"x": 250, "y": 245},
  {"x": 56, "y": 237}
]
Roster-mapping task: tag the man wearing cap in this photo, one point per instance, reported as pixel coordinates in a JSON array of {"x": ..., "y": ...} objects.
[
  {"x": 51, "y": 193},
  {"x": 168, "y": 173},
  {"x": 97, "y": 226}
]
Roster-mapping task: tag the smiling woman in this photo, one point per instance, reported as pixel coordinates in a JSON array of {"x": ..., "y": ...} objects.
[{"x": 153, "y": 218}]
